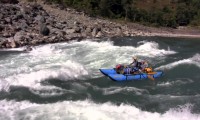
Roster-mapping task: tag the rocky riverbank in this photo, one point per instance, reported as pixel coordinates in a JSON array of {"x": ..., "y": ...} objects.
[{"x": 30, "y": 24}]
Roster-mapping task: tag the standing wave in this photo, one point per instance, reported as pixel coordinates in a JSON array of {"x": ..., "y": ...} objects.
[{"x": 87, "y": 110}]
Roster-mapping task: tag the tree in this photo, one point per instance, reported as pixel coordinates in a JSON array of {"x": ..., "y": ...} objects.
[
  {"x": 127, "y": 8},
  {"x": 182, "y": 15},
  {"x": 104, "y": 8}
]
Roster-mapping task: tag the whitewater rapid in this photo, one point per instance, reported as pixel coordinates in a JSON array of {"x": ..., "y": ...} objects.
[
  {"x": 70, "y": 61},
  {"x": 80, "y": 61},
  {"x": 86, "y": 110}
]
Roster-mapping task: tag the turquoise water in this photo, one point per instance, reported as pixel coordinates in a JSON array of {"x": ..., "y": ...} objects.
[{"x": 62, "y": 81}]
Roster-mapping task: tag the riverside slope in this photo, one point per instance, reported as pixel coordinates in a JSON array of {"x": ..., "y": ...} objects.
[{"x": 36, "y": 23}]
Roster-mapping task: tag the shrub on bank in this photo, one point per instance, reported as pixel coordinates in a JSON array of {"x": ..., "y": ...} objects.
[{"x": 162, "y": 13}]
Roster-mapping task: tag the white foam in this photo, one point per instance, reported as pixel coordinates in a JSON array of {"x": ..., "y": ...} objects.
[
  {"x": 33, "y": 79},
  {"x": 182, "y": 113},
  {"x": 115, "y": 90},
  {"x": 67, "y": 70},
  {"x": 13, "y": 49},
  {"x": 174, "y": 64},
  {"x": 151, "y": 49},
  {"x": 195, "y": 60},
  {"x": 45, "y": 50},
  {"x": 49, "y": 91},
  {"x": 164, "y": 84},
  {"x": 4, "y": 85},
  {"x": 76, "y": 60},
  {"x": 178, "y": 81},
  {"x": 105, "y": 54},
  {"x": 87, "y": 110}
]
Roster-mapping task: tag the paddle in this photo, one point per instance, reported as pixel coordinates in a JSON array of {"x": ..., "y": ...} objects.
[{"x": 150, "y": 77}]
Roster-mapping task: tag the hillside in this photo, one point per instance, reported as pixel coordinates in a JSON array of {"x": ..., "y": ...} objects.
[
  {"x": 25, "y": 23},
  {"x": 167, "y": 13},
  {"x": 154, "y": 4}
]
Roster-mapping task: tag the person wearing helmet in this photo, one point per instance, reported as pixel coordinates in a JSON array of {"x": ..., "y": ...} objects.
[
  {"x": 143, "y": 65},
  {"x": 119, "y": 68},
  {"x": 134, "y": 65}
]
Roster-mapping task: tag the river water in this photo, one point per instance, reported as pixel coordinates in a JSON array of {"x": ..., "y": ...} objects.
[{"x": 62, "y": 81}]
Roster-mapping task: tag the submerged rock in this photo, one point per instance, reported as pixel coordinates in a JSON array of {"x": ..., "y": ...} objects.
[{"x": 28, "y": 48}]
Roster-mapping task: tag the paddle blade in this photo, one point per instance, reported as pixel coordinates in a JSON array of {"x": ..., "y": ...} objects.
[{"x": 150, "y": 77}]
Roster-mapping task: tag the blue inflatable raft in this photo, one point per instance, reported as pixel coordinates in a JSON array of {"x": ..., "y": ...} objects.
[{"x": 112, "y": 74}]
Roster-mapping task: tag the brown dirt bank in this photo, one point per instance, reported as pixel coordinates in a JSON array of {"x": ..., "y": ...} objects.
[
  {"x": 126, "y": 29},
  {"x": 39, "y": 23}
]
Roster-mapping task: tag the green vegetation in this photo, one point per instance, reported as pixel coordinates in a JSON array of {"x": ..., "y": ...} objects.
[{"x": 167, "y": 13}]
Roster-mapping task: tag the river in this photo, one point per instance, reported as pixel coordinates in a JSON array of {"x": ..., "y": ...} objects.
[{"x": 62, "y": 81}]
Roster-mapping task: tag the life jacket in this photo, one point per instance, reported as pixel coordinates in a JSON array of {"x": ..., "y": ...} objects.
[
  {"x": 127, "y": 71},
  {"x": 148, "y": 70}
]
